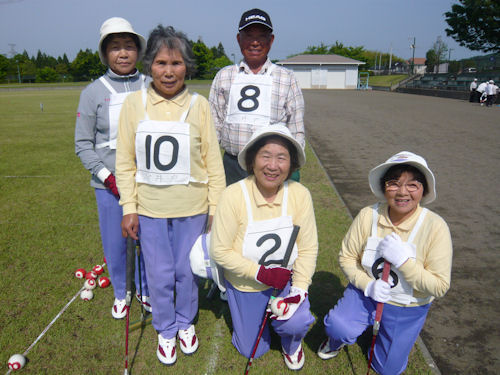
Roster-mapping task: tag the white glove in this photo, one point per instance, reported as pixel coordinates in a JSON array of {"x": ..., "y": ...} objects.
[
  {"x": 393, "y": 250},
  {"x": 293, "y": 300},
  {"x": 378, "y": 290}
]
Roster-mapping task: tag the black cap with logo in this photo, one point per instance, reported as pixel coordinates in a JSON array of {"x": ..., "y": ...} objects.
[{"x": 255, "y": 16}]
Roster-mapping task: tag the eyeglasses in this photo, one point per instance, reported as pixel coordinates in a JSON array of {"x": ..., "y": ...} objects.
[{"x": 394, "y": 185}]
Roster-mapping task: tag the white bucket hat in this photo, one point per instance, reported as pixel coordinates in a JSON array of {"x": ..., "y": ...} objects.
[
  {"x": 278, "y": 129},
  {"x": 403, "y": 157},
  {"x": 204, "y": 266},
  {"x": 116, "y": 25}
]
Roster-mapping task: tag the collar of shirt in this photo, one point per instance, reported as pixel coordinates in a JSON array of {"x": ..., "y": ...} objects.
[
  {"x": 259, "y": 198},
  {"x": 244, "y": 67},
  {"x": 405, "y": 226},
  {"x": 180, "y": 99},
  {"x": 115, "y": 76}
]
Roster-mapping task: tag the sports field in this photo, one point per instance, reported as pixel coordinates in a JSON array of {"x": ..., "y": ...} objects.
[{"x": 49, "y": 228}]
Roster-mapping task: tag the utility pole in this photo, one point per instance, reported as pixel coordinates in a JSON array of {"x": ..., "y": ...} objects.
[
  {"x": 412, "y": 46},
  {"x": 390, "y": 60},
  {"x": 234, "y": 59}
]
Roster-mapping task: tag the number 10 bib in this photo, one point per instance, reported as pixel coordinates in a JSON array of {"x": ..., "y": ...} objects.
[{"x": 250, "y": 99}]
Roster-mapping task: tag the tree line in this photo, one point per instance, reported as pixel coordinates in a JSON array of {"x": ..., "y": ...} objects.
[{"x": 87, "y": 66}]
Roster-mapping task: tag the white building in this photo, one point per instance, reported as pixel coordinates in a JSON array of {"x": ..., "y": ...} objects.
[{"x": 324, "y": 71}]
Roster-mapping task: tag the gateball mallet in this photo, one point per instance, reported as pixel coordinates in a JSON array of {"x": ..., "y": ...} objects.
[
  {"x": 378, "y": 316},
  {"x": 284, "y": 263},
  {"x": 128, "y": 297}
]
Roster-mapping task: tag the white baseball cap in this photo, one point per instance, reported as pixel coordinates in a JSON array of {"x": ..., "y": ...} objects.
[
  {"x": 403, "y": 157},
  {"x": 203, "y": 265},
  {"x": 117, "y": 25},
  {"x": 277, "y": 129}
]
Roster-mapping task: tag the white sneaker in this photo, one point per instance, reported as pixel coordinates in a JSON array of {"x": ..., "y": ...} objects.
[
  {"x": 145, "y": 302},
  {"x": 324, "y": 351},
  {"x": 188, "y": 341},
  {"x": 296, "y": 360},
  {"x": 166, "y": 352},
  {"x": 119, "y": 309}
]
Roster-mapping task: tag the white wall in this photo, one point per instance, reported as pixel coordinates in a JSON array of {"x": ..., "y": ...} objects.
[{"x": 325, "y": 76}]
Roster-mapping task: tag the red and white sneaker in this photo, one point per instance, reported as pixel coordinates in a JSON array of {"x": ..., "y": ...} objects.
[
  {"x": 119, "y": 309},
  {"x": 188, "y": 341},
  {"x": 166, "y": 352},
  {"x": 324, "y": 351},
  {"x": 145, "y": 302},
  {"x": 296, "y": 360}
]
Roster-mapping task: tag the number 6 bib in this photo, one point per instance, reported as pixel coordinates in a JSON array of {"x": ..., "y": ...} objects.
[
  {"x": 250, "y": 99},
  {"x": 265, "y": 241}
]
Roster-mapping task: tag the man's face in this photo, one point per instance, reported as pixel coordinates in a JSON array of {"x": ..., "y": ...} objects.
[{"x": 255, "y": 42}]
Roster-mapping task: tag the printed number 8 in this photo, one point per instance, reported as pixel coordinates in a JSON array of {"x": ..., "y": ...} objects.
[{"x": 252, "y": 98}]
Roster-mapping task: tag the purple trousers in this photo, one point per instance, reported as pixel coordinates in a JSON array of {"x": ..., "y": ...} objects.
[
  {"x": 247, "y": 312},
  {"x": 399, "y": 328},
  {"x": 173, "y": 288},
  {"x": 115, "y": 245}
]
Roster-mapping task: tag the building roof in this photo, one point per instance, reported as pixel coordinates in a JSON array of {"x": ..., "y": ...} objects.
[
  {"x": 319, "y": 60},
  {"x": 418, "y": 61}
]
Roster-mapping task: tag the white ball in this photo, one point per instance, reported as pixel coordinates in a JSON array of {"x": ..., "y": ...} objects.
[
  {"x": 86, "y": 295},
  {"x": 16, "y": 362},
  {"x": 90, "y": 284},
  {"x": 278, "y": 307}
]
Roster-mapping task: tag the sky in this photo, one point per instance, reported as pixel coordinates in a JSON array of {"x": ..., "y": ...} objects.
[{"x": 56, "y": 27}]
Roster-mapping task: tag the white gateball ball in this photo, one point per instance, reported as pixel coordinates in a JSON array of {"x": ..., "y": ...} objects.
[
  {"x": 90, "y": 284},
  {"x": 86, "y": 295},
  {"x": 278, "y": 307},
  {"x": 16, "y": 362}
]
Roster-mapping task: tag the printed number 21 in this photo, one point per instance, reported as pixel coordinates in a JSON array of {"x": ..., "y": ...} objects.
[
  {"x": 277, "y": 244},
  {"x": 253, "y": 98}
]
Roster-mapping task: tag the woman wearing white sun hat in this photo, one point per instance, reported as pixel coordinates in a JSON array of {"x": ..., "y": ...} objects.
[
  {"x": 120, "y": 47},
  {"x": 415, "y": 241},
  {"x": 251, "y": 214}
]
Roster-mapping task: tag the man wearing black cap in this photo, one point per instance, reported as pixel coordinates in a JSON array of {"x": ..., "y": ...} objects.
[{"x": 254, "y": 93}]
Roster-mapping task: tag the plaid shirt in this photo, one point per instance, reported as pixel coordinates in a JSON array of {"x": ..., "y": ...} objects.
[{"x": 287, "y": 105}]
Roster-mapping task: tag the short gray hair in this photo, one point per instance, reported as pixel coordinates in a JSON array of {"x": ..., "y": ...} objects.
[{"x": 174, "y": 40}]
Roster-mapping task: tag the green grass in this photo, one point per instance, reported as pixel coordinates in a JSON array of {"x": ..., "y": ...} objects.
[
  {"x": 386, "y": 80},
  {"x": 49, "y": 228}
]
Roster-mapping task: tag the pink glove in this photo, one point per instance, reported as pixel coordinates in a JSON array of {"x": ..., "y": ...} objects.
[
  {"x": 292, "y": 301},
  {"x": 110, "y": 183},
  {"x": 393, "y": 250},
  {"x": 277, "y": 277},
  {"x": 378, "y": 290}
]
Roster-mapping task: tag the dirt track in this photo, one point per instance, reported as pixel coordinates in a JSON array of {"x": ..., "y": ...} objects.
[{"x": 353, "y": 131}]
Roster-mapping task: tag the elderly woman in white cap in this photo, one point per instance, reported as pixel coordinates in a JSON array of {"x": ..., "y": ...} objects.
[
  {"x": 120, "y": 47},
  {"x": 252, "y": 228},
  {"x": 417, "y": 244}
]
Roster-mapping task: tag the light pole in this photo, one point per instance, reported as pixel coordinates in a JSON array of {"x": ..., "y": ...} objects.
[
  {"x": 412, "y": 46},
  {"x": 234, "y": 59}
]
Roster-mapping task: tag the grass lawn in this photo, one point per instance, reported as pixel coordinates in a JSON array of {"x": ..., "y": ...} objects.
[
  {"x": 388, "y": 80},
  {"x": 49, "y": 228}
]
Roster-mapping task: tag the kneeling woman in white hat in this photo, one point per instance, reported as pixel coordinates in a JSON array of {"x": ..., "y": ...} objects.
[
  {"x": 252, "y": 228},
  {"x": 417, "y": 244}
]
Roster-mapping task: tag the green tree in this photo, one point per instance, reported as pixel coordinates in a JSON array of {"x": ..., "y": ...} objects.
[
  {"x": 204, "y": 60},
  {"x": 430, "y": 60},
  {"x": 47, "y": 74},
  {"x": 86, "y": 66},
  {"x": 436, "y": 55},
  {"x": 4, "y": 67},
  {"x": 475, "y": 24}
]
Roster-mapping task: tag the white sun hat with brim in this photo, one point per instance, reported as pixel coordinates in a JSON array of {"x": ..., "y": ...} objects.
[
  {"x": 117, "y": 25},
  {"x": 202, "y": 264},
  {"x": 403, "y": 157},
  {"x": 279, "y": 130}
]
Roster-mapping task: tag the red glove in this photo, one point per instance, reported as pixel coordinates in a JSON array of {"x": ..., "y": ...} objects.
[
  {"x": 276, "y": 277},
  {"x": 110, "y": 183}
]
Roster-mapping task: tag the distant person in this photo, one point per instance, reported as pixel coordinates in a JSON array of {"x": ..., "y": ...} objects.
[
  {"x": 254, "y": 93},
  {"x": 170, "y": 175},
  {"x": 120, "y": 47},
  {"x": 416, "y": 242},
  {"x": 491, "y": 91},
  {"x": 473, "y": 91},
  {"x": 481, "y": 92},
  {"x": 253, "y": 215}
]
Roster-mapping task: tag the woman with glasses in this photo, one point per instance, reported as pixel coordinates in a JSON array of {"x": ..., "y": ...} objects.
[{"x": 417, "y": 244}]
